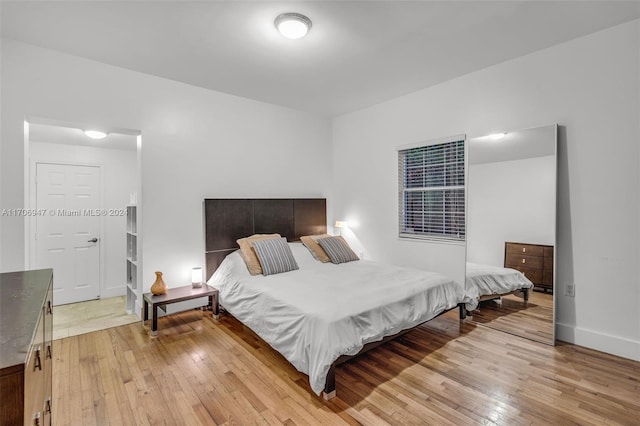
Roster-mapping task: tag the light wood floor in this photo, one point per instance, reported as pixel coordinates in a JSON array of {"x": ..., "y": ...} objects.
[
  {"x": 202, "y": 371},
  {"x": 533, "y": 320},
  {"x": 84, "y": 317}
]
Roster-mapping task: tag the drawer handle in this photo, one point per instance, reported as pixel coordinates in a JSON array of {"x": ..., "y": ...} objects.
[
  {"x": 36, "y": 419},
  {"x": 524, "y": 249},
  {"x": 49, "y": 356},
  {"x": 37, "y": 363},
  {"x": 524, "y": 260},
  {"x": 47, "y": 406},
  {"x": 49, "y": 308}
]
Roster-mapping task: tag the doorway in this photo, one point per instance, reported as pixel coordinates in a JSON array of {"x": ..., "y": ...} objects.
[
  {"x": 80, "y": 188},
  {"x": 68, "y": 229}
]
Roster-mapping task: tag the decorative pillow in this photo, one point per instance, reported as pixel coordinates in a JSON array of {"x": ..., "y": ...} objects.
[
  {"x": 249, "y": 254},
  {"x": 310, "y": 242},
  {"x": 275, "y": 256},
  {"x": 337, "y": 249}
]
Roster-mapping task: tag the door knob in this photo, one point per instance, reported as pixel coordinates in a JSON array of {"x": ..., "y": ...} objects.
[{"x": 93, "y": 240}]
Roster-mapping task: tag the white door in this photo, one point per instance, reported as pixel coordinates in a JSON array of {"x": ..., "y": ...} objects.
[{"x": 67, "y": 234}]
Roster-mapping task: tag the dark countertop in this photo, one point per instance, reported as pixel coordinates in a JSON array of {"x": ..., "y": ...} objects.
[{"x": 22, "y": 295}]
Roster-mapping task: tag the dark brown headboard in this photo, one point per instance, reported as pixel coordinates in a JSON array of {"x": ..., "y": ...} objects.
[{"x": 229, "y": 219}]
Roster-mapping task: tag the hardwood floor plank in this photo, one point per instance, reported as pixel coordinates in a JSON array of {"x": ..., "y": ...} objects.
[
  {"x": 512, "y": 316},
  {"x": 139, "y": 411},
  {"x": 202, "y": 371},
  {"x": 427, "y": 415},
  {"x": 110, "y": 395},
  {"x": 371, "y": 418}
]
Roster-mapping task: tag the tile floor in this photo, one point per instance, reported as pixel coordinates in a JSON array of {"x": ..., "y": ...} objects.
[{"x": 93, "y": 315}]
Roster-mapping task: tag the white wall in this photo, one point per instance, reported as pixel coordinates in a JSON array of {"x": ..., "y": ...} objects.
[
  {"x": 510, "y": 201},
  {"x": 199, "y": 143},
  {"x": 196, "y": 143},
  {"x": 118, "y": 171},
  {"x": 366, "y": 194},
  {"x": 590, "y": 86}
]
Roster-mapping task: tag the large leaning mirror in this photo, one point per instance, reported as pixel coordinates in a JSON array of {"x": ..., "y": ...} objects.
[{"x": 511, "y": 236}]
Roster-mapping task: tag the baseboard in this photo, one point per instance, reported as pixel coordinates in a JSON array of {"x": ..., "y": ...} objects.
[
  {"x": 138, "y": 308},
  {"x": 614, "y": 345},
  {"x": 106, "y": 293}
]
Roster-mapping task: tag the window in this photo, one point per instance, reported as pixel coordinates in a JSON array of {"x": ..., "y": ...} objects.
[{"x": 431, "y": 190}]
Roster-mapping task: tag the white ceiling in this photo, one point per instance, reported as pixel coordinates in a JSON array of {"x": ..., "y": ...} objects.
[
  {"x": 358, "y": 53},
  {"x": 49, "y": 133},
  {"x": 516, "y": 145}
]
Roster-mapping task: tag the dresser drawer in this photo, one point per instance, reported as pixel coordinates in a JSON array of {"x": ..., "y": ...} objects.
[
  {"x": 514, "y": 259},
  {"x": 534, "y": 275},
  {"x": 34, "y": 377},
  {"x": 25, "y": 360},
  {"x": 535, "y": 261},
  {"x": 525, "y": 249}
]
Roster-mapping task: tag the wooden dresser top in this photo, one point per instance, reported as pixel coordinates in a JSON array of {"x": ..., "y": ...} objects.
[{"x": 22, "y": 295}]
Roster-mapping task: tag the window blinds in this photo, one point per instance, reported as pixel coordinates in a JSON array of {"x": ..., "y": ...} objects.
[{"x": 431, "y": 191}]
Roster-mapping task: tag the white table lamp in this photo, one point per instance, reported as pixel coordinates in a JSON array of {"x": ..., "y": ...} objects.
[{"x": 196, "y": 277}]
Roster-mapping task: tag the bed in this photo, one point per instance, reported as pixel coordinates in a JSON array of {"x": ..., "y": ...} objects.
[
  {"x": 486, "y": 282},
  {"x": 321, "y": 314}
]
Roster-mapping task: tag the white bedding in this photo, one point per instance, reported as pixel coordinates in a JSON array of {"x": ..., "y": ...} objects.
[
  {"x": 321, "y": 311},
  {"x": 486, "y": 279}
]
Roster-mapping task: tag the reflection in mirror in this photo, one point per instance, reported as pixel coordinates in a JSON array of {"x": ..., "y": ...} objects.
[{"x": 511, "y": 223}]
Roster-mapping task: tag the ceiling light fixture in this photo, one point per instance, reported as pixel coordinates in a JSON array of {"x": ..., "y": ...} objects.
[
  {"x": 95, "y": 134},
  {"x": 497, "y": 136},
  {"x": 293, "y": 25}
]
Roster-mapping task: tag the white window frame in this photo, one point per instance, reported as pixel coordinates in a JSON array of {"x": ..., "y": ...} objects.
[{"x": 454, "y": 221}]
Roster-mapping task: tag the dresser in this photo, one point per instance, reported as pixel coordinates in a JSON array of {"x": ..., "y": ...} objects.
[
  {"x": 26, "y": 326},
  {"x": 535, "y": 261}
]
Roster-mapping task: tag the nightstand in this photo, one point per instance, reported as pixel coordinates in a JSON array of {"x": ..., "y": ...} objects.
[{"x": 174, "y": 295}]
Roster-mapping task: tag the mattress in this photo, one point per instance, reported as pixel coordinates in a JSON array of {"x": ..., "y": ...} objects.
[
  {"x": 321, "y": 311},
  {"x": 484, "y": 280}
]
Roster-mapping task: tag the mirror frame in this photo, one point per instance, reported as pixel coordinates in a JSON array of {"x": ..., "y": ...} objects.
[{"x": 554, "y": 196}]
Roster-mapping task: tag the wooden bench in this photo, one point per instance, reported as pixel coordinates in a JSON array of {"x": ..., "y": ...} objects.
[{"x": 174, "y": 295}]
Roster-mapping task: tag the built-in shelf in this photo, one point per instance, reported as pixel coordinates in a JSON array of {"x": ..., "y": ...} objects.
[
  {"x": 132, "y": 247},
  {"x": 134, "y": 291},
  {"x": 132, "y": 224}
]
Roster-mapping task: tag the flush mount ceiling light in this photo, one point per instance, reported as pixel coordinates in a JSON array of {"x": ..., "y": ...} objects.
[
  {"x": 496, "y": 136},
  {"x": 95, "y": 134},
  {"x": 293, "y": 25}
]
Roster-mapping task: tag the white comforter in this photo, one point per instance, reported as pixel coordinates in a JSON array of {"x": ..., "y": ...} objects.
[
  {"x": 486, "y": 279},
  {"x": 321, "y": 311}
]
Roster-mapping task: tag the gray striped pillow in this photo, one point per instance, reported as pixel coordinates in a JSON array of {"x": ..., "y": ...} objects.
[
  {"x": 337, "y": 249},
  {"x": 275, "y": 256}
]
